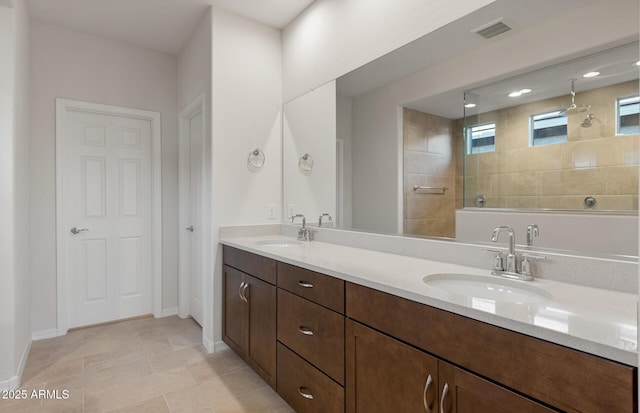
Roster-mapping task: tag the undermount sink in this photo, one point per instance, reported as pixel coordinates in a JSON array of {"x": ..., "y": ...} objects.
[
  {"x": 487, "y": 287},
  {"x": 279, "y": 243}
]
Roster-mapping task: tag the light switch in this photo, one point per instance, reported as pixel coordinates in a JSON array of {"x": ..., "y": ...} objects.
[{"x": 291, "y": 210}]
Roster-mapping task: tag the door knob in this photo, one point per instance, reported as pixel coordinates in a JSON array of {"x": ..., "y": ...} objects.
[
  {"x": 190, "y": 228},
  {"x": 76, "y": 230}
]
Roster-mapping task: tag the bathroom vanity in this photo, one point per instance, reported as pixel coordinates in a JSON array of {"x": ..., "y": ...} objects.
[{"x": 335, "y": 329}]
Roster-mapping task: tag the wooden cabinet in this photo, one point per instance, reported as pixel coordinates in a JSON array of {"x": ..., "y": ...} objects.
[
  {"x": 306, "y": 388},
  {"x": 313, "y": 332},
  {"x": 318, "y": 288},
  {"x": 563, "y": 378},
  {"x": 396, "y": 355},
  {"x": 386, "y": 375},
  {"x": 310, "y": 340},
  {"x": 249, "y": 323}
]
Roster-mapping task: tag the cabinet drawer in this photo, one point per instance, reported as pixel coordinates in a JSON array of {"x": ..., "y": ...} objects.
[
  {"x": 252, "y": 264},
  {"x": 304, "y": 387},
  {"x": 319, "y": 288},
  {"x": 312, "y": 331}
]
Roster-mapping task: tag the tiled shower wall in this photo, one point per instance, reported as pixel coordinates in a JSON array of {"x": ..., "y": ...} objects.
[
  {"x": 594, "y": 162},
  {"x": 430, "y": 153}
]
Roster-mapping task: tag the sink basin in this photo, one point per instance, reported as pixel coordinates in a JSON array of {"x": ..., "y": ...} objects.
[
  {"x": 278, "y": 243},
  {"x": 487, "y": 287}
]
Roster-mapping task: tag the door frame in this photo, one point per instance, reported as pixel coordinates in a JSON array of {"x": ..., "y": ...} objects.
[
  {"x": 193, "y": 109},
  {"x": 63, "y": 106}
]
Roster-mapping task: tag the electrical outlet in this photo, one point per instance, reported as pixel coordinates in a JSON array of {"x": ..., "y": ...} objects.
[
  {"x": 271, "y": 211},
  {"x": 291, "y": 208}
]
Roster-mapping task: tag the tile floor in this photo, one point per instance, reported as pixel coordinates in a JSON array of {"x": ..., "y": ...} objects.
[{"x": 142, "y": 365}]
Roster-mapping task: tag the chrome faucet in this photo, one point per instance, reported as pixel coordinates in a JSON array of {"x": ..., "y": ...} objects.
[
  {"x": 511, "y": 270},
  {"x": 304, "y": 233},
  {"x": 532, "y": 231},
  {"x": 512, "y": 259},
  {"x": 324, "y": 215}
]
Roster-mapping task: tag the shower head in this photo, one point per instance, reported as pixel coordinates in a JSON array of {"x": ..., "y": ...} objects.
[
  {"x": 588, "y": 121},
  {"x": 573, "y": 108}
]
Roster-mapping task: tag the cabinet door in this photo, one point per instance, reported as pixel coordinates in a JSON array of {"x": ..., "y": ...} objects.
[
  {"x": 463, "y": 392},
  {"x": 261, "y": 340},
  {"x": 385, "y": 375},
  {"x": 235, "y": 316}
]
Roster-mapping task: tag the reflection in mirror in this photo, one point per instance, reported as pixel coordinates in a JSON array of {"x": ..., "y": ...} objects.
[
  {"x": 401, "y": 124},
  {"x": 563, "y": 137},
  {"x": 309, "y": 159}
]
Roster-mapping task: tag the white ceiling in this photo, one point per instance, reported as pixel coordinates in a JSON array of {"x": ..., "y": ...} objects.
[{"x": 163, "y": 25}]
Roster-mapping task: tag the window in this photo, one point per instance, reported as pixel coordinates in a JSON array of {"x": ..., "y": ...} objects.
[
  {"x": 547, "y": 128},
  {"x": 481, "y": 138},
  {"x": 628, "y": 110}
]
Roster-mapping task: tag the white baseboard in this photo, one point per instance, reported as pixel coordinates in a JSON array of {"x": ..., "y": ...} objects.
[
  {"x": 12, "y": 383},
  {"x": 220, "y": 346},
  {"x": 168, "y": 312},
  {"x": 44, "y": 334},
  {"x": 208, "y": 344}
]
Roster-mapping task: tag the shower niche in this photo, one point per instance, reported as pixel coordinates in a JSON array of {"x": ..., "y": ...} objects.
[{"x": 564, "y": 137}]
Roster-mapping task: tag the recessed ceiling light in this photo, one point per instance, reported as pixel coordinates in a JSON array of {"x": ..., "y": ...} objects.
[
  {"x": 523, "y": 91},
  {"x": 638, "y": 63},
  {"x": 514, "y": 94},
  {"x": 470, "y": 105},
  {"x": 591, "y": 74}
]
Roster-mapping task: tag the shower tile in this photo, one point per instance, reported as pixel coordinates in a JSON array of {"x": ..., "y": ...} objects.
[
  {"x": 622, "y": 180},
  {"x": 594, "y": 153},
  {"x": 574, "y": 182},
  {"x": 525, "y": 184}
]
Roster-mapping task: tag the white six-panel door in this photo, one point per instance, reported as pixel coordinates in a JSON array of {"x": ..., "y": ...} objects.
[{"x": 109, "y": 203}]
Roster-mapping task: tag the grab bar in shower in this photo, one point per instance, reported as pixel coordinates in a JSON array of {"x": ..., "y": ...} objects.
[{"x": 443, "y": 188}]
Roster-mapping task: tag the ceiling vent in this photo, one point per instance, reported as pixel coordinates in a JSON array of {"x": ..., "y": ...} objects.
[{"x": 491, "y": 29}]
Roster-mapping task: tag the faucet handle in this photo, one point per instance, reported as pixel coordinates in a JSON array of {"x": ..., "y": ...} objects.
[
  {"x": 498, "y": 264},
  {"x": 527, "y": 274}
]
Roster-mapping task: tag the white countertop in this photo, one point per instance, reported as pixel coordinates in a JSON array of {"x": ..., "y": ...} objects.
[{"x": 596, "y": 321}]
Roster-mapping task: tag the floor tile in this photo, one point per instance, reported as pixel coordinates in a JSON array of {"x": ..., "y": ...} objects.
[{"x": 141, "y": 365}]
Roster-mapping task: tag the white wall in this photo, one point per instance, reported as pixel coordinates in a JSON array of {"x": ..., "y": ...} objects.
[
  {"x": 343, "y": 131},
  {"x": 246, "y": 114},
  {"x": 15, "y": 329},
  {"x": 376, "y": 120},
  {"x": 309, "y": 123},
  {"x": 7, "y": 254},
  {"x": 74, "y": 65},
  {"x": 331, "y": 38},
  {"x": 22, "y": 192}
]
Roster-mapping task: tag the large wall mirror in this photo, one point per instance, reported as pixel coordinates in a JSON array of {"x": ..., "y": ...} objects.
[{"x": 429, "y": 137}]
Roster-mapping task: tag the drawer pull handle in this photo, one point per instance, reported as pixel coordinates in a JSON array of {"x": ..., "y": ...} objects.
[
  {"x": 305, "y": 330},
  {"x": 425, "y": 395},
  {"x": 305, "y": 284},
  {"x": 245, "y": 289},
  {"x": 304, "y": 392},
  {"x": 445, "y": 392}
]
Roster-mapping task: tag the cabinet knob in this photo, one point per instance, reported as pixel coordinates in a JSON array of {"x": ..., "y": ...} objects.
[
  {"x": 304, "y": 392},
  {"x": 305, "y": 284},
  {"x": 305, "y": 330}
]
